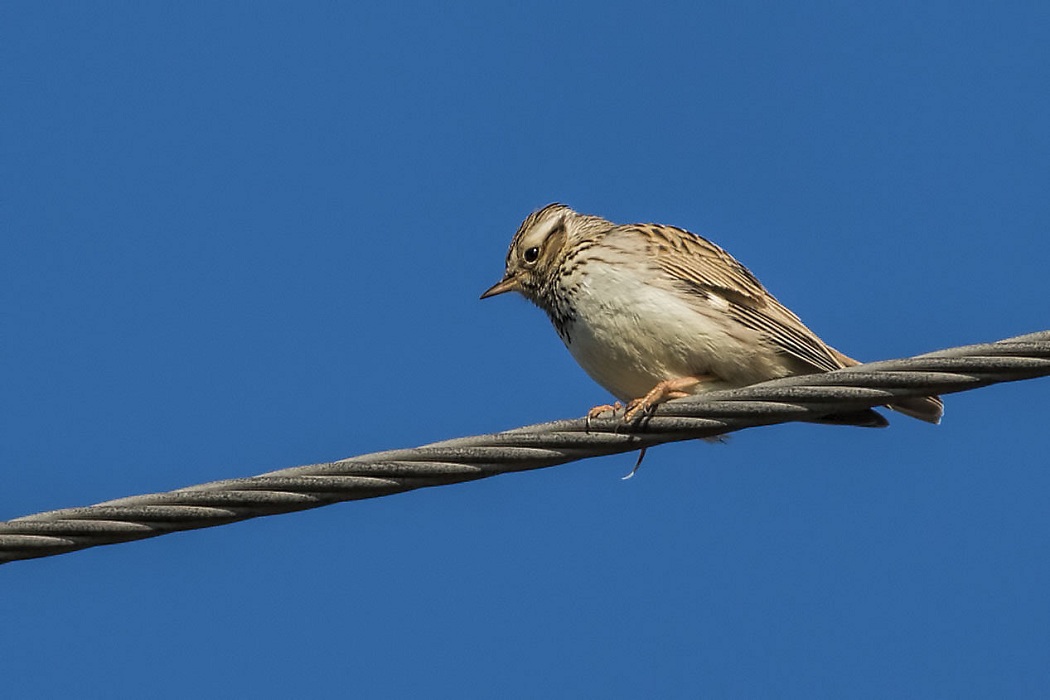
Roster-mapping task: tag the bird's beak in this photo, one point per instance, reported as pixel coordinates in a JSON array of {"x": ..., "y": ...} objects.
[{"x": 507, "y": 284}]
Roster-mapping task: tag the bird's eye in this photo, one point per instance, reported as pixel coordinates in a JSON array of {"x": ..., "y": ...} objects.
[{"x": 531, "y": 255}]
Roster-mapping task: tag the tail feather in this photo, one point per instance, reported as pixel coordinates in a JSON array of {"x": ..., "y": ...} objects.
[
  {"x": 864, "y": 418},
  {"x": 927, "y": 408}
]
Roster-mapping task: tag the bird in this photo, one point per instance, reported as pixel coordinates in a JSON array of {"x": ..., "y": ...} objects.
[{"x": 654, "y": 313}]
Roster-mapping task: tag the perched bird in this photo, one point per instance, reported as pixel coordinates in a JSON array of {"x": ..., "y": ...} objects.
[{"x": 654, "y": 313}]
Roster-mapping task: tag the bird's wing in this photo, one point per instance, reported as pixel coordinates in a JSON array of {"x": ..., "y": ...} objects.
[{"x": 702, "y": 267}]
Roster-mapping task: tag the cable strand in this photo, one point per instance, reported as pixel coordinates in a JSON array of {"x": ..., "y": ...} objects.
[{"x": 799, "y": 398}]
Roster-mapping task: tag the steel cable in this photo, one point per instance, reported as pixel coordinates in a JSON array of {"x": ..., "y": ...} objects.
[{"x": 802, "y": 398}]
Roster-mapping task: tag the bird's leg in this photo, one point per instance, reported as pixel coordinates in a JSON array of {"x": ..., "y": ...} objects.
[{"x": 664, "y": 391}]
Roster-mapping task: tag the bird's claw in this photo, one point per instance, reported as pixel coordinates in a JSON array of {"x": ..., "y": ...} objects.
[
  {"x": 597, "y": 411},
  {"x": 635, "y": 407}
]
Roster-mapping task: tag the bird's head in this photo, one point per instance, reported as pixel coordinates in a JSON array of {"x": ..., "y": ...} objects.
[{"x": 537, "y": 251}]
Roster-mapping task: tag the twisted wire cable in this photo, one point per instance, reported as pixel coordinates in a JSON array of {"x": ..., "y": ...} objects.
[{"x": 801, "y": 398}]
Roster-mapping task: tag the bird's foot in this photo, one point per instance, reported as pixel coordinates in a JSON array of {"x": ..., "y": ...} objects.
[
  {"x": 663, "y": 392},
  {"x": 597, "y": 411}
]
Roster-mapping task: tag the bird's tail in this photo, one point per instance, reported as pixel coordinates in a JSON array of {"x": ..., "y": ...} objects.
[{"x": 927, "y": 408}]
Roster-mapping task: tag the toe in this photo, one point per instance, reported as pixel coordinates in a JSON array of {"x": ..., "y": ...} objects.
[{"x": 597, "y": 411}]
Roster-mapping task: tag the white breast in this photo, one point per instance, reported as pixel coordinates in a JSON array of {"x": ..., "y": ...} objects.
[{"x": 631, "y": 333}]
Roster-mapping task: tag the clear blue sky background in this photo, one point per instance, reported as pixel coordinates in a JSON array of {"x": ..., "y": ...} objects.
[{"x": 244, "y": 236}]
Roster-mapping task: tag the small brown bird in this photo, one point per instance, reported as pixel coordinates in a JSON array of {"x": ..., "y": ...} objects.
[{"x": 654, "y": 313}]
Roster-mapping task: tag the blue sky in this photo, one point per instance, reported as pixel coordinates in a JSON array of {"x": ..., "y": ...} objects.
[{"x": 244, "y": 236}]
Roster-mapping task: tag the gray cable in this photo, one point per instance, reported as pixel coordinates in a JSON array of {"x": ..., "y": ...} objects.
[{"x": 531, "y": 447}]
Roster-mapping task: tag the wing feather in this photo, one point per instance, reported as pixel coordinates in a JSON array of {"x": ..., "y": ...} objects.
[{"x": 703, "y": 267}]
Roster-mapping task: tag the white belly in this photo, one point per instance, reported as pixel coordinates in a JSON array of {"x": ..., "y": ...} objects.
[{"x": 629, "y": 336}]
